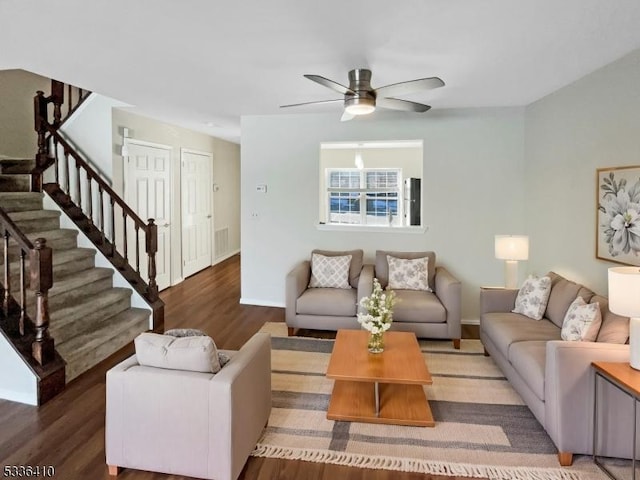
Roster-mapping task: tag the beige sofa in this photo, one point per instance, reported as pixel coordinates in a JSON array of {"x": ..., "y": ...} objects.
[
  {"x": 555, "y": 377},
  {"x": 189, "y": 423}
]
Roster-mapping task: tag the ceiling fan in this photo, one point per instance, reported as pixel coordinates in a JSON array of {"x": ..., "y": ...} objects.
[{"x": 360, "y": 98}]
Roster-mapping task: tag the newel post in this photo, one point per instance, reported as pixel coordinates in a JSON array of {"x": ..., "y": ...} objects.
[
  {"x": 57, "y": 98},
  {"x": 152, "y": 249},
  {"x": 40, "y": 126},
  {"x": 41, "y": 281}
]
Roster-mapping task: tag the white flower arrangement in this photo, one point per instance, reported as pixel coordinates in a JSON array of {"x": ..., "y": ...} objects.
[{"x": 379, "y": 308}]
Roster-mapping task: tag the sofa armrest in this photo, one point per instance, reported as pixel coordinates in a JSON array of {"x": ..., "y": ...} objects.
[
  {"x": 242, "y": 394},
  {"x": 569, "y": 393},
  {"x": 296, "y": 283},
  {"x": 365, "y": 285},
  {"x": 497, "y": 299},
  {"x": 448, "y": 291}
]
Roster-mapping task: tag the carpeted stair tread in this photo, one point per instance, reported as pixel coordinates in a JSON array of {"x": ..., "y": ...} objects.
[
  {"x": 17, "y": 165},
  {"x": 58, "y": 239},
  {"x": 88, "y": 313},
  {"x": 36, "y": 220},
  {"x": 19, "y": 201},
  {"x": 84, "y": 351},
  {"x": 69, "y": 289},
  {"x": 15, "y": 183}
]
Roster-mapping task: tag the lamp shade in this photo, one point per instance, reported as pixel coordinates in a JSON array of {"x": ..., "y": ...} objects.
[
  {"x": 512, "y": 247},
  {"x": 624, "y": 291}
]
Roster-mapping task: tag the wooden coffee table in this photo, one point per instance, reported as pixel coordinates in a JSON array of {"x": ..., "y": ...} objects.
[{"x": 379, "y": 387}]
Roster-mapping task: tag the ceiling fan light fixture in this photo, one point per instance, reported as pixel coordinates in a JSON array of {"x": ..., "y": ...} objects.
[{"x": 359, "y": 105}]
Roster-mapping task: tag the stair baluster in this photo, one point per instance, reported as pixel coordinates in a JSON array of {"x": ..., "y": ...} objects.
[
  {"x": 7, "y": 275},
  {"x": 23, "y": 292},
  {"x": 41, "y": 281}
]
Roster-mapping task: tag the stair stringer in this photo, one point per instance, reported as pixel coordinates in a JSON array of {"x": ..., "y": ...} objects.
[{"x": 137, "y": 300}]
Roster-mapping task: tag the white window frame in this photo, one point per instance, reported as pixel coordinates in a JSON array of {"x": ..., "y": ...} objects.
[{"x": 363, "y": 190}]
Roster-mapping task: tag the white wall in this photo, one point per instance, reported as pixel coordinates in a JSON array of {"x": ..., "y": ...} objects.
[
  {"x": 473, "y": 177},
  {"x": 592, "y": 123},
  {"x": 17, "y": 382},
  {"x": 89, "y": 130}
]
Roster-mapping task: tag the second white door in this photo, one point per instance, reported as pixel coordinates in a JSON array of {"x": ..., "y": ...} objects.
[{"x": 196, "y": 211}]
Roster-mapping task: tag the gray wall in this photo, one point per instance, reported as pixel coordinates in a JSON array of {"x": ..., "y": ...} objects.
[
  {"x": 473, "y": 176},
  {"x": 592, "y": 123},
  {"x": 17, "y": 88}
]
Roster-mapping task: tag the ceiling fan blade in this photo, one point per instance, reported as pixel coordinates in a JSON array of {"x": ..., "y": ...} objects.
[
  {"x": 311, "y": 103},
  {"x": 404, "y": 105},
  {"x": 346, "y": 117},
  {"x": 403, "y": 88},
  {"x": 330, "y": 84}
]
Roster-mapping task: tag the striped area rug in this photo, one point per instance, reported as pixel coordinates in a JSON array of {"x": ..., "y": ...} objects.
[{"x": 483, "y": 428}]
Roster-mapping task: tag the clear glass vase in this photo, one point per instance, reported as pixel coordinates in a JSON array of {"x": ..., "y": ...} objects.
[{"x": 376, "y": 343}]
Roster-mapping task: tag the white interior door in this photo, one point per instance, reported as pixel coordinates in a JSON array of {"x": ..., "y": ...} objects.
[
  {"x": 148, "y": 193},
  {"x": 196, "y": 211}
]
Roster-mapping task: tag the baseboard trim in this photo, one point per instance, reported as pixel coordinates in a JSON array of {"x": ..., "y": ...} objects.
[
  {"x": 260, "y": 303},
  {"x": 470, "y": 321},
  {"x": 225, "y": 257}
]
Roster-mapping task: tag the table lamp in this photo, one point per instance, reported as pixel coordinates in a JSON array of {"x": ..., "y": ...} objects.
[
  {"x": 624, "y": 299},
  {"x": 511, "y": 248}
]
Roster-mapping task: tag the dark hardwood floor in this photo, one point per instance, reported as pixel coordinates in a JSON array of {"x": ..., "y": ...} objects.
[{"x": 68, "y": 432}]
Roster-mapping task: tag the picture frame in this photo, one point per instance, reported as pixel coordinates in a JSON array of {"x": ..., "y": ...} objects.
[{"x": 618, "y": 214}]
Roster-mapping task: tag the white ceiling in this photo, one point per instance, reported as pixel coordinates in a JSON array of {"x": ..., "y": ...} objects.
[{"x": 203, "y": 61}]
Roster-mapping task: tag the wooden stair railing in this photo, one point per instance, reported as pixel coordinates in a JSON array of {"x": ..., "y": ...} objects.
[
  {"x": 40, "y": 279},
  {"x": 61, "y": 113},
  {"x": 94, "y": 206}
]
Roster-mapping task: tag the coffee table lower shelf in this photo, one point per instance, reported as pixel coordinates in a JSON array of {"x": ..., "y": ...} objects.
[{"x": 400, "y": 404}]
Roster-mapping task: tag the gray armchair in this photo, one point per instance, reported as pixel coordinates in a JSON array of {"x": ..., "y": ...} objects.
[
  {"x": 326, "y": 308},
  {"x": 189, "y": 423},
  {"x": 428, "y": 314}
]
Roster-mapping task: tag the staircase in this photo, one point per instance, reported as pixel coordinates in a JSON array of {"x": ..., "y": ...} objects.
[{"x": 89, "y": 318}]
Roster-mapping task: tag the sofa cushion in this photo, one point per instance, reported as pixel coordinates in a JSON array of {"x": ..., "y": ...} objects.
[
  {"x": 528, "y": 358},
  {"x": 408, "y": 273},
  {"x": 614, "y": 328},
  {"x": 418, "y": 307},
  {"x": 330, "y": 271},
  {"x": 195, "y": 354},
  {"x": 563, "y": 292},
  {"x": 506, "y": 328},
  {"x": 582, "y": 321},
  {"x": 338, "y": 302},
  {"x": 382, "y": 266},
  {"x": 356, "y": 262},
  {"x": 533, "y": 296}
]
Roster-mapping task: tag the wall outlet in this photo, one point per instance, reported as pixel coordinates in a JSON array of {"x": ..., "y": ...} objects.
[{"x": 261, "y": 188}]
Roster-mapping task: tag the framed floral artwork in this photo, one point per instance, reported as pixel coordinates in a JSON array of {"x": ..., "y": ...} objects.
[{"x": 618, "y": 215}]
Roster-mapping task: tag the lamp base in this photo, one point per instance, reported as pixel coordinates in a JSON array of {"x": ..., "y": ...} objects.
[
  {"x": 511, "y": 273},
  {"x": 634, "y": 342}
]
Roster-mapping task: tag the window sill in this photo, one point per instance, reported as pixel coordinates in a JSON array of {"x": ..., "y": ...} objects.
[{"x": 370, "y": 228}]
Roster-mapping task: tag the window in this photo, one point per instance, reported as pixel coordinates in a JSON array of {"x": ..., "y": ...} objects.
[
  {"x": 370, "y": 185},
  {"x": 370, "y": 196}
]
